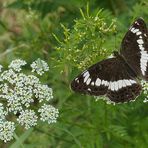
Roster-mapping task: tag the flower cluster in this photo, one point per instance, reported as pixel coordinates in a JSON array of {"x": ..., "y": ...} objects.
[
  {"x": 16, "y": 64},
  {"x": 25, "y": 97},
  {"x": 27, "y": 118},
  {"x": 39, "y": 66},
  {"x": 48, "y": 113},
  {"x": 145, "y": 90},
  {"x": 2, "y": 113},
  {"x": 6, "y": 130}
]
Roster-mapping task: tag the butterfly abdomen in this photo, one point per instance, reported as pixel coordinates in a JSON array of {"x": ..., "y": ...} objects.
[{"x": 130, "y": 71}]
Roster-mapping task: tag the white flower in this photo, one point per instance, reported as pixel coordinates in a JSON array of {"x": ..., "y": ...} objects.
[
  {"x": 20, "y": 80},
  {"x": 25, "y": 95},
  {"x": 145, "y": 100},
  {"x": 16, "y": 64},
  {"x": 3, "y": 89},
  {"x": 39, "y": 66},
  {"x": 13, "y": 103},
  {"x": 2, "y": 113},
  {"x": 25, "y": 80},
  {"x": 27, "y": 118},
  {"x": 32, "y": 80},
  {"x": 48, "y": 113},
  {"x": 9, "y": 75},
  {"x": 43, "y": 92},
  {"x": 19, "y": 91},
  {"x": 7, "y": 130}
]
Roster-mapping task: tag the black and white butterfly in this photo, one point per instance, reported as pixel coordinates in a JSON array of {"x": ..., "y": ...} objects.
[{"x": 118, "y": 77}]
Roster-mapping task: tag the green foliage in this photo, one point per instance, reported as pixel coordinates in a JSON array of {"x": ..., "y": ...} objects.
[
  {"x": 88, "y": 41},
  {"x": 71, "y": 37}
]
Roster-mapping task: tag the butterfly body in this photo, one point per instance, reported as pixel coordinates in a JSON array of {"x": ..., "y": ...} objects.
[
  {"x": 130, "y": 70},
  {"x": 118, "y": 77}
]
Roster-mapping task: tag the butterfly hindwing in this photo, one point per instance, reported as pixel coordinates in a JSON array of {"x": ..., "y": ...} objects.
[
  {"x": 134, "y": 48},
  {"x": 110, "y": 77},
  {"x": 127, "y": 93}
]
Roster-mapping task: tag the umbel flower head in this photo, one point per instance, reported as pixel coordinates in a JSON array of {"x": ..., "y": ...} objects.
[
  {"x": 39, "y": 66},
  {"x": 25, "y": 97}
]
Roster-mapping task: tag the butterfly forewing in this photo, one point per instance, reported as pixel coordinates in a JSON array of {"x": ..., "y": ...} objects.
[
  {"x": 90, "y": 81},
  {"x": 134, "y": 48}
]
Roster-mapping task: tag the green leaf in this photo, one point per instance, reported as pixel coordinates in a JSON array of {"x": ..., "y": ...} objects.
[{"x": 20, "y": 140}]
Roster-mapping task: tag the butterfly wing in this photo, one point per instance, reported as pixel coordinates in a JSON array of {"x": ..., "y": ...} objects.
[
  {"x": 91, "y": 80},
  {"x": 110, "y": 77},
  {"x": 134, "y": 48}
]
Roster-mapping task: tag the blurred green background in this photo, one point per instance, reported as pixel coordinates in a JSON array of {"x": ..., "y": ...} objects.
[{"x": 53, "y": 30}]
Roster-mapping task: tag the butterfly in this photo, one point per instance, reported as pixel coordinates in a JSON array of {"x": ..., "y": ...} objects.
[{"x": 118, "y": 77}]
